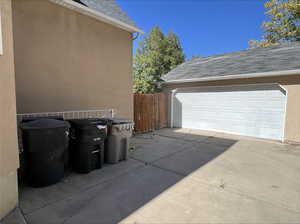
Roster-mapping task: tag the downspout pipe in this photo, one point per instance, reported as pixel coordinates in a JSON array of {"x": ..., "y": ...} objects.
[
  {"x": 173, "y": 92},
  {"x": 136, "y": 37}
]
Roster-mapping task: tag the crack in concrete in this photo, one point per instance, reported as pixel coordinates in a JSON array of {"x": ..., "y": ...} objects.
[
  {"x": 23, "y": 214},
  {"x": 169, "y": 170},
  {"x": 161, "y": 168}
]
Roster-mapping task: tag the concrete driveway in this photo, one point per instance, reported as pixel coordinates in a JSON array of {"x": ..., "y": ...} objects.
[{"x": 178, "y": 176}]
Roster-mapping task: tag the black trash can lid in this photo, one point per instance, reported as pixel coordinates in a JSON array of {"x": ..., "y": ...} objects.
[
  {"x": 81, "y": 123},
  {"x": 29, "y": 119},
  {"x": 44, "y": 123},
  {"x": 121, "y": 121}
]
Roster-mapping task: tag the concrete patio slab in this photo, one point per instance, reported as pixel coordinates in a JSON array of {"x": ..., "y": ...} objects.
[
  {"x": 191, "y": 201},
  {"x": 108, "y": 202},
  {"x": 154, "y": 147},
  {"x": 249, "y": 182},
  {"x": 184, "y": 134},
  {"x": 32, "y": 199},
  {"x": 205, "y": 136},
  {"x": 269, "y": 172},
  {"x": 15, "y": 217},
  {"x": 218, "y": 141},
  {"x": 177, "y": 178},
  {"x": 187, "y": 161}
]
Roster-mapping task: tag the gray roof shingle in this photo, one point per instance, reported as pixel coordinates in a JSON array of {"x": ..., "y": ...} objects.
[
  {"x": 109, "y": 8},
  {"x": 277, "y": 58}
]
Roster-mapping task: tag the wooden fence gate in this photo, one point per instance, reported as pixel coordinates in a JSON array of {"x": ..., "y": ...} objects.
[{"x": 150, "y": 112}]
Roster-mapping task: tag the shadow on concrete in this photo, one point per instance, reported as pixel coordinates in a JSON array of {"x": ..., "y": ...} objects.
[{"x": 157, "y": 162}]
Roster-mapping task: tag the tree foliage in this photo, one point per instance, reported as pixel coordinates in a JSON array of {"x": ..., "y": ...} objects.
[
  {"x": 284, "y": 24},
  {"x": 157, "y": 55}
]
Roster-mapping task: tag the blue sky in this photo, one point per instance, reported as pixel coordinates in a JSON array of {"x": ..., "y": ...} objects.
[{"x": 205, "y": 27}]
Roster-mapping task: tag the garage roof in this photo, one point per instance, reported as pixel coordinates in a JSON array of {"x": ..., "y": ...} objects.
[
  {"x": 282, "y": 59},
  {"x": 104, "y": 10}
]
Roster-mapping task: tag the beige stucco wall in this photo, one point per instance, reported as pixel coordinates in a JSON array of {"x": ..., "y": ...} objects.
[
  {"x": 290, "y": 83},
  {"x": 9, "y": 161},
  {"x": 68, "y": 61}
]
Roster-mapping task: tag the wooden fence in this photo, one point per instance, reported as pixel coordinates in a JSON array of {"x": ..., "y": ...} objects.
[{"x": 150, "y": 112}]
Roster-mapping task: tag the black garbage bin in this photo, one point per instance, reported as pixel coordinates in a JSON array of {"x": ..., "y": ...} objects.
[
  {"x": 87, "y": 144},
  {"x": 118, "y": 139},
  {"x": 44, "y": 144},
  {"x": 22, "y": 171}
]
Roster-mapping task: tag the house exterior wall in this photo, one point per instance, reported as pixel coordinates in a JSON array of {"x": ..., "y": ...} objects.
[
  {"x": 289, "y": 83},
  {"x": 67, "y": 61},
  {"x": 9, "y": 161}
]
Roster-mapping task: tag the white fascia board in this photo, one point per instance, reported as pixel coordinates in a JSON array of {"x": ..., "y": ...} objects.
[
  {"x": 97, "y": 15},
  {"x": 241, "y": 76}
]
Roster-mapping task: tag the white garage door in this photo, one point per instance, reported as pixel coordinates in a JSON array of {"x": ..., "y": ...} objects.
[{"x": 253, "y": 110}]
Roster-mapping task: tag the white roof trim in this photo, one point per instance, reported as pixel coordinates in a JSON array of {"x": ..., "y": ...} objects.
[
  {"x": 240, "y": 76},
  {"x": 97, "y": 15}
]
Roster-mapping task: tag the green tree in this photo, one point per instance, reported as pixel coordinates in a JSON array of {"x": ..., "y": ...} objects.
[
  {"x": 157, "y": 55},
  {"x": 174, "y": 52},
  {"x": 284, "y": 24}
]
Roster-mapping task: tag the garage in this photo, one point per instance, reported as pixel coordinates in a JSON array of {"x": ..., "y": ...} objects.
[
  {"x": 252, "y": 110},
  {"x": 253, "y": 93}
]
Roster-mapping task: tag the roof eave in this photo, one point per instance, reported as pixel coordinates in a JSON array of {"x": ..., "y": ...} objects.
[
  {"x": 97, "y": 15},
  {"x": 240, "y": 76}
]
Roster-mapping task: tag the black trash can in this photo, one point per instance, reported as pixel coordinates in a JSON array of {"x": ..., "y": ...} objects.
[
  {"x": 87, "y": 144},
  {"x": 118, "y": 139},
  {"x": 22, "y": 171},
  {"x": 44, "y": 144}
]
